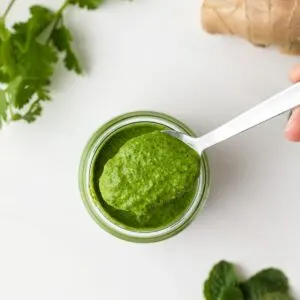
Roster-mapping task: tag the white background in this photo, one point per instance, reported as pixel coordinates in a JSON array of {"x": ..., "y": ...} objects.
[{"x": 149, "y": 55}]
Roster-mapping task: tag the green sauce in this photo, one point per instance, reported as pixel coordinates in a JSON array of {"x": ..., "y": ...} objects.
[{"x": 143, "y": 178}]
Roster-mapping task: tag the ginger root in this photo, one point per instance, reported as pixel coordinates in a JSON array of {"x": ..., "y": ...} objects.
[{"x": 262, "y": 22}]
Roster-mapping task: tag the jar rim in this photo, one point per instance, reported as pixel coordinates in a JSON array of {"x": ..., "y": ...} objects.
[{"x": 99, "y": 213}]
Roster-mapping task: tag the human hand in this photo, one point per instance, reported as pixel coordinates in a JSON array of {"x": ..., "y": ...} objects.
[{"x": 292, "y": 131}]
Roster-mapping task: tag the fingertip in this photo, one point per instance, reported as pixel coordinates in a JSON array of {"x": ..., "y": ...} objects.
[
  {"x": 292, "y": 131},
  {"x": 292, "y": 136},
  {"x": 294, "y": 74}
]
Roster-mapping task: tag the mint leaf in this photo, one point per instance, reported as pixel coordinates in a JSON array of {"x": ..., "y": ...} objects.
[
  {"x": 221, "y": 276},
  {"x": 276, "y": 296},
  {"x": 89, "y": 4},
  {"x": 62, "y": 40},
  {"x": 267, "y": 281},
  {"x": 232, "y": 293}
]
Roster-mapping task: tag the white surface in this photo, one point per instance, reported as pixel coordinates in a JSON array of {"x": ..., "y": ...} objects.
[{"x": 148, "y": 54}]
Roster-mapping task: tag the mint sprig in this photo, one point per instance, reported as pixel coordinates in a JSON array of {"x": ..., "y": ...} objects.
[
  {"x": 276, "y": 296},
  {"x": 221, "y": 276},
  {"x": 224, "y": 284},
  {"x": 265, "y": 282},
  {"x": 231, "y": 293}
]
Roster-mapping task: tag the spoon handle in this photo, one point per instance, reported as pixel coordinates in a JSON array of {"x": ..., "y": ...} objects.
[{"x": 268, "y": 109}]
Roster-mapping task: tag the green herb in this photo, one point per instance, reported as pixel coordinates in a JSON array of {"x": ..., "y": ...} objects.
[
  {"x": 29, "y": 53},
  {"x": 223, "y": 284},
  {"x": 276, "y": 296},
  {"x": 221, "y": 276},
  {"x": 265, "y": 282},
  {"x": 231, "y": 293},
  {"x": 89, "y": 4}
]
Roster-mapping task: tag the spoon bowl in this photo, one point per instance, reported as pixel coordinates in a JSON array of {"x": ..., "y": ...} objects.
[{"x": 190, "y": 141}]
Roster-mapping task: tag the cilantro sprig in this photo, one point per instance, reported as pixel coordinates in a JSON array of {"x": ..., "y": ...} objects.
[
  {"x": 223, "y": 283},
  {"x": 29, "y": 53}
]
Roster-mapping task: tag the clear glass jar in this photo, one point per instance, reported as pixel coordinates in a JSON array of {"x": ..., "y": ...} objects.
[{"x": 99, "y": 213}]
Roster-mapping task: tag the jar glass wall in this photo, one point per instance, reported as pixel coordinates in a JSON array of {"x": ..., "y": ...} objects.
[{"x": 89, "y": 174}]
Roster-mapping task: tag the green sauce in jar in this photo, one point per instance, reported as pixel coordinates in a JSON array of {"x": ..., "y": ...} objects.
[{"x": 144, "y": 178}]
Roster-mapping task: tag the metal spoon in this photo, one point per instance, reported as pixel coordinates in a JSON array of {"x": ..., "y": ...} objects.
[{"x": 268, "y": 109}]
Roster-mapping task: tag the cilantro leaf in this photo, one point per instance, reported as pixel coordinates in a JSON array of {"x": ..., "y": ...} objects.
[
  {"x": 34, "y": 112},
  {"x": 276, "y": 296},
  {"x": 28, "y": 55},
  {"x": 4, "y": 78},
  {"x": 26, "y": 32},
  {"x": 37, "y": 62},
  {"x": 221, "y": 276},
  {"x": 43, "y": 94},
  {"x": 62, "y": 39},
  {"x": 8, "y": 59},
  {"x": 25, "y": 64},
  {"x": 34, "y": 69},
  {"x": 41, "y": 17},
  {"x": 89, "y": 4},
  {"x": 264, "y": 282},
  {"x": 3, "y": 103},
  {"x": 20, "y": 91},
  {"x": 3, "y": 106},
  {"x": 14, "y": 89},
  {"x": 4, "y": 32}
]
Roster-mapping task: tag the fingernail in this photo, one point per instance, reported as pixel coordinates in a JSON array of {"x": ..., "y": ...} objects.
[{"x": 290, "y": 122}]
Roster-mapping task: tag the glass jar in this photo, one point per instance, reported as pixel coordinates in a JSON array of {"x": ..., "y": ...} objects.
[{"x": 92, "y": 200}]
